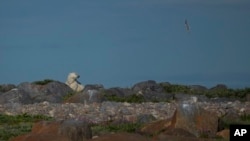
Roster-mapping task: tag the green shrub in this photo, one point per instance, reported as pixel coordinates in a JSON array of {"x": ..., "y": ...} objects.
[
  {"x": 11, "y": 126},
  {"x": 175, "y": 88},
  {"x": 43, "y": 82},
  {"x": 68, "y": 95},
  {"x": 245, "y": 118}
]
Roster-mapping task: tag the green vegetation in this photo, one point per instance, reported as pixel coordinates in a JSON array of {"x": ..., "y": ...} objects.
[
  {"x": 174, "y": 88},
  {"x": 243, "y": 119},
  {"x": 68, "y": 95},
  {"x": 123, "y": 127},
  {"x": 43, "y": 82},
  {"x": 183, "y": 89},
  {"x": 11, "y": 126},
  {"x": 211, "y": 93}
]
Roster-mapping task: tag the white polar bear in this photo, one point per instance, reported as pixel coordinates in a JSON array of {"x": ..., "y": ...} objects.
[{"x": 73, "y": 83}]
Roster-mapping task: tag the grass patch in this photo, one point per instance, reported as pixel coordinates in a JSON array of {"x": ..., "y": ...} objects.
[
  {"x": 174, "y": 88},
  {"x": 243, "y": 119},
  {"x": 11, "y": 126},
  {"x": 211, "y": 93},
  {"x": 123, "y": 127},
  {"x": 68, "y": 95},
  {"x": 43, "y": 82}
]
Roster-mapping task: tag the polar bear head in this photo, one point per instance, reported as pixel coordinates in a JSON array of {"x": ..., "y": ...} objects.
[{"x": 73, "y": 83}]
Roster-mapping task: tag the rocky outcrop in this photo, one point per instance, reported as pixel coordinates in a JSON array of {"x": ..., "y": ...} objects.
[
  {"x": 156, "y": 127},
  {"x": 90, "y": 94},
  {"x": 6, "y": 87},
  {"x": 68, "y": 130},
  {"x": 167, "y": 114},
  {"x": 147, "y": 87},
  {"x": 122, "y": 137},
  {"x": 194, "y": 119},
  {"x": 28, "y": 93},
  {"x": 119, "y": 92}
]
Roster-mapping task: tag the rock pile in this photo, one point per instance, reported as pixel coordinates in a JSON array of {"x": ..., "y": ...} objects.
[
  {"x": 68, "y": 130},
  {"x": 167, "y": 116}
]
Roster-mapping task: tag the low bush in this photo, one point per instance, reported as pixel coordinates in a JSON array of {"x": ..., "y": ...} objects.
[
  {"x": 11, "y": 126},
  {"x": 43, "y": 82}
]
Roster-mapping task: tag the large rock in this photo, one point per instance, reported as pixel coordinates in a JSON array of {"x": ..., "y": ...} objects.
[
  {"x": 157, "y": 127},
  {"x": 145, "y": 118},
  {"x": 165, "y": 137},
  {"x": 231, "y": 117},
  {"x": 68, "y": 130},
  {"x": 147, "y": 86},
  {"x": 28, "y": 93},
  {"x": 219, "y": 87},
  {"x": 6, "y": 87},
  {"x": 152, "y": 91},
  {"x": 119, "y": 92},
  {"x": 90, "y": 94},
  {"x": 93, "y": 87},
  {"x": 224, "y": 134},
  {"x": 75, "y": 130},
  {"x": 15, "y": 96},
  {"x": 157, "y": 97},
  {"x": 197, "y": 88},
  {"x": 194, "y": 119},
  {"x": 180, "y": 97},
  {"x": 122, "y": 137}
]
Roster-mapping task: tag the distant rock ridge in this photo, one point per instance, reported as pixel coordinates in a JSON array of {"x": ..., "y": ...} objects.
[
  {"x": 145, "y": 91},
  {"x": 168, "y": 111}
]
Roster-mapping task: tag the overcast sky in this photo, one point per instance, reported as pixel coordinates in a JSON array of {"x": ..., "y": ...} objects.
[{"x": 121, "y": 42}]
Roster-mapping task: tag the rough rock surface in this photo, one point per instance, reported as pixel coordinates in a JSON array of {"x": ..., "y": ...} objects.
[
  {"x": 68, "y": 130},
  {"x": 178, "y": 117},
  {"x": 106, "y": 111},
  {"x": 147, "y": 87},
  {"x": 194, "y": 119},
  {"x": 122, "y": 137},
  {"x": 28, "y": 93},
  {"x": 6, "y": 87}
]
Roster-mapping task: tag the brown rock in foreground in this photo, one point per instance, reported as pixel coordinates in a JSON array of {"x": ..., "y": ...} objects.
[
  {"x": 194, "y": 119},
  {"x": 41, "y": 137},
  {"x": 68, "y": 130},
  {"x": 224, "y": 134},
  {"x": 157, "y": 127},
  {"x": 163, "y": 137},
  {"x": 122, "y": 137}
]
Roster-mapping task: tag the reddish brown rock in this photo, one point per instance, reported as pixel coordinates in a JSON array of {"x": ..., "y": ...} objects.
[
  {"x": 164, "y": 137},
  {"x": 122, "y": 137},
  {"x": 156, "y": 127},
  {"x": 68, "y": 130},
  {"x": 177, "y": 132},
  {"x": 224, "y": 134},
  {"x": 41, "y": 137},
  {"x": 45, "y": 127},
  {"x": 196, "y": 120}
]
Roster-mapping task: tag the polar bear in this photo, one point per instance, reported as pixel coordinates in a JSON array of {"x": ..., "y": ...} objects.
[{"x": 73, "y": 83}]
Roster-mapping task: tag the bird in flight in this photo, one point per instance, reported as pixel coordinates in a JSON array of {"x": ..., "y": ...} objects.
[{"x": 187, "y": 26}]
